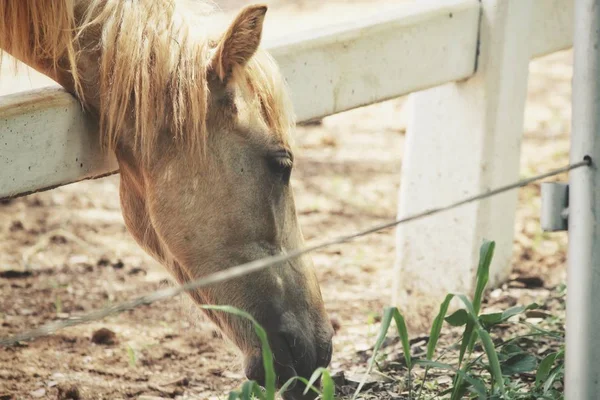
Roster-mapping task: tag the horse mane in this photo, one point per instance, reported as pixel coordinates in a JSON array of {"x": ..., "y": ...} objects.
[{"x": 153, "y": 65}]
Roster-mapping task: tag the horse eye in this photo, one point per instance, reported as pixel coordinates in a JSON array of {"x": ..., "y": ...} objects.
[{"x": 280, "y": 163}]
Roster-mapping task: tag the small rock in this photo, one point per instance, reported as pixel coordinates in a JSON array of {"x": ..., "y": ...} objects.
[
  {"x": 231, "y": 375},
  {"x": 14, "y": 274},
  {"x": 79, "y": 259},
  {"x": 137, "y": 270},
  {"x": 39, "y": 393},
  {"x": 183, "y": 381},
  {"x": 313, "y": 122},
  {"x": 104, "y": 336},
  {"x": 87, "y": 267},
  {"x": 16, "y": 226},
  {"x": 537, "y": 314},
  {"x": 514, "y": 319},
  {"x": 534, "y": 321},
  {"x": 58, "y": 239},
  {"x": 68, "y": 391},
  {"x": 36, "y": 202},
  {"x": 516, "y": 285},
  {"x": 371, "y": 380},
  {"x": 339, "y": 379},
  {"x": 103, "y": 262},
  {"x": 336, "y": 324},
  {"x": 531, "y": 281},
  {"x": 57, "y": 376}
]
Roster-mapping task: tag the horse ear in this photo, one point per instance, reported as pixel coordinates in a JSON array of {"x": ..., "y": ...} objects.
[{"x": 240, "y": 41}]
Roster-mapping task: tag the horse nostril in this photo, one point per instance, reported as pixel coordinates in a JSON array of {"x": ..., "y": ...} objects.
[
  {"x": 325, "y": 348},
  {"x": 302, "y": 352}
]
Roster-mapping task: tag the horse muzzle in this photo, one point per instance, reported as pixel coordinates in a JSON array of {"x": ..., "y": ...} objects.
[{"x": 295, "y": 353}]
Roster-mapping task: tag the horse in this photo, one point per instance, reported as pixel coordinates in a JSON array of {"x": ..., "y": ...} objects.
[{"x": 200, "y": 121}]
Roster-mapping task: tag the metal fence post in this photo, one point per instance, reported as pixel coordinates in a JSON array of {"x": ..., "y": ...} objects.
[{"x": 583, "y": 297}]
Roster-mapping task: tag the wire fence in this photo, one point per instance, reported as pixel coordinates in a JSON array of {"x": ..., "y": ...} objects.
[{"x": 261, "y": 264}]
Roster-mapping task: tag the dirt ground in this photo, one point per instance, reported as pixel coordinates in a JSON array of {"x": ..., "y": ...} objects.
[{"x": 66, "y": 251}]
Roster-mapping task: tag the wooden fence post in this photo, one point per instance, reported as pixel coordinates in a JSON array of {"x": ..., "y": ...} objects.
[{"x": 462, "y": 139}]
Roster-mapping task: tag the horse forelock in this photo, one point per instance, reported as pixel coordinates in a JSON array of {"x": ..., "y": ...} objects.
[{"x": 153, "y": 65}]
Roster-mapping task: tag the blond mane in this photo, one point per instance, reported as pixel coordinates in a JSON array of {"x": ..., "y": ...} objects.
[{"x": 152, "y": 68}]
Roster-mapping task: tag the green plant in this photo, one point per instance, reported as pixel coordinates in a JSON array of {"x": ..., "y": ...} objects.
[
  {"x": 131, "y": 356},
  {"x": 58, "y": 305},
  {"x": 488, "y": 374},
  {"x": 482, "y": 373}
]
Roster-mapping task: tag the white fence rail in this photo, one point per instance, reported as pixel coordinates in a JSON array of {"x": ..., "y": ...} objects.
[
  {"x": 344, "y": 67},
  {"x": 47, "y": 141},
  {"x": 467, "y": 46}
]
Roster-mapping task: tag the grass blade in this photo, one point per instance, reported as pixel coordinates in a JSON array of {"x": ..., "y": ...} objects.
[
  {"x": 552, "y": 334},
  {"x": 556, "y": 371},
  {"x": 518, "y": 363},
  {"x": 318, "y": 372},
  {"x": 267, "y": 354},
  {"x": 328, "y": 386},
  {"x": 326, "y": 382},
  {"x": 465, "y": 342},
  {"x": 490, "y": 351},
  {"x": 290, "y": 381},
  {"x": 486, "y": 252},
  {"x": 246, "y": 392},
  {"x": 434, "y": 334},
  {"x": 488, "y": 320},
  {"x": 487, "y": 343},
  {"x": 466, "y": 339},
  {"x": 458, "y": 318},
  {"x": 436, "y": 328},
  {"x": 251, "y": 390},
  {"x": 403, "y": 333},
  {"x": 546, "y": 374},
  {"x": 385, "y": 325}
]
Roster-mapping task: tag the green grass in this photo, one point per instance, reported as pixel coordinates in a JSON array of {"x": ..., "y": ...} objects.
[
  {"x": 58, "y": 305},
  {"x": 482, "y": 368},
  {"x": 132, "y": 357}
]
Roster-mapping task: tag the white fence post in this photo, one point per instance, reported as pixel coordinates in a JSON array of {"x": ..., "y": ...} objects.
[{"x": 464, "y": 138}]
